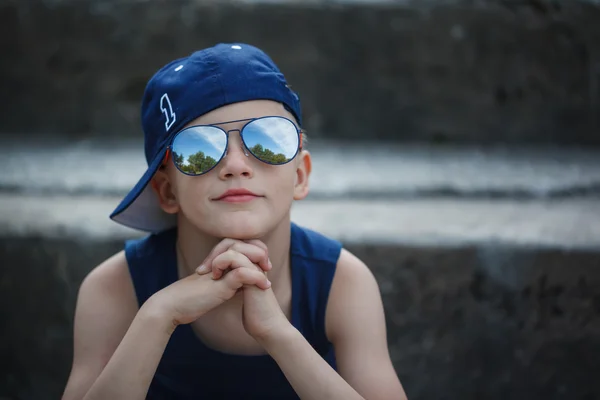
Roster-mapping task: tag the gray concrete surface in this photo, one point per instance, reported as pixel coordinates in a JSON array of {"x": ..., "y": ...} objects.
[
  {"x": 45, "y": 165},
  {"x": 562, "y": 224},
  {"x": 488, "y": 260},
  {"x": 473, "y": 321},
  {"x": 433, "y": 71},
  {"x": 372, "y": 193}
]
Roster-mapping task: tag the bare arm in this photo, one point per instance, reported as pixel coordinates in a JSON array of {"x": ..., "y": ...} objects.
[
  {"x": 356, "y": 326},
  {"x": 308, "y": 373},
  {"x": 116, "y": 348}
]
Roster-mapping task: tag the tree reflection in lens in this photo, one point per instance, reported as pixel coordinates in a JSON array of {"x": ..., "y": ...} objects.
[
  {"x": 272, "y": 139},
  {"x": 197, "y": 163},
  {"x": 267, "y": 155}
]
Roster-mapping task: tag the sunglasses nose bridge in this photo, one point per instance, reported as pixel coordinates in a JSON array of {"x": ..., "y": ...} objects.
[{"x": 242, "y": 145}]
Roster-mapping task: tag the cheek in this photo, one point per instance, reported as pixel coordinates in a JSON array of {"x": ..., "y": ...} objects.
[
  {"x": 190, "y": 191},
  {"x": 281, "y": 186}
]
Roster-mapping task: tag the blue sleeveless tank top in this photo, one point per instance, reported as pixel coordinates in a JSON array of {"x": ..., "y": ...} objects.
[{"x": 189, "y": 369}]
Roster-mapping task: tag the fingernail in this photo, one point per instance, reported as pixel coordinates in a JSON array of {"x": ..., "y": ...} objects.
[
  {"x": 270, "y": 264},
  {"x": 201, "y": 269},
  {"x": 268, "y": 283}
]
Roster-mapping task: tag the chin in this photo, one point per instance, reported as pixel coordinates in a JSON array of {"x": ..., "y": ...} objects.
[{"x": 242, "y": 227}]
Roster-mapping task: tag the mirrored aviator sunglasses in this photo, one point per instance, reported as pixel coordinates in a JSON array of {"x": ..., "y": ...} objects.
[{"x": 273, "y": 140}]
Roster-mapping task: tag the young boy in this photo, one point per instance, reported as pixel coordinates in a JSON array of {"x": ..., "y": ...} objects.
[{"x": 226, "y": 297}]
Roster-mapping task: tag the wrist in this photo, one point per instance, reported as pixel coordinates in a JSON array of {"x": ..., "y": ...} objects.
[
  {"x": 279, "y": 337},
  {"x": 155, "y": 315}
]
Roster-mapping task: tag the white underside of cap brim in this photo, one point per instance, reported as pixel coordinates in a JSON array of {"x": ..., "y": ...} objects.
[{"x": 145, "y": 214}]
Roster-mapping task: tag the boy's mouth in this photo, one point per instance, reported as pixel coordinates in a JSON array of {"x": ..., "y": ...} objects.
[{"x": 237, "y": 196}]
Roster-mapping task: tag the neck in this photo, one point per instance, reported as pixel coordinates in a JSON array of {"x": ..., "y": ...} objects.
[{"x": 194, "y": 246}]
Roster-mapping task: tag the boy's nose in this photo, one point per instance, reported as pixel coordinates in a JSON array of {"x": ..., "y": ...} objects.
[{"x": 236, "y": 162}]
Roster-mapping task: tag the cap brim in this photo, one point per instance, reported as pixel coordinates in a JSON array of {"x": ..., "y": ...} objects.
[{"x": 140, "y": 209}]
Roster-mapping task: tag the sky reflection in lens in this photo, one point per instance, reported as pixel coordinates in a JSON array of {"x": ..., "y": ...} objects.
[
  {"x": 274, "y": 140},
  {"x": 198, "y": 149}
]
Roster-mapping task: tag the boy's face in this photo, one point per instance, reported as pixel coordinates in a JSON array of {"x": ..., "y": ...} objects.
[{"x": 196, "y": 198}]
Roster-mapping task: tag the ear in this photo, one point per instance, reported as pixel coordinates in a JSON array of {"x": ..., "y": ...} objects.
[
  {"x": 301, "y": 188},
  {"x": 163, "y": 189}
]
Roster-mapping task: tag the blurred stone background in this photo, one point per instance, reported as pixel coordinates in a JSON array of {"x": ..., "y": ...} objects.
[{"x": 456, "y": 149}]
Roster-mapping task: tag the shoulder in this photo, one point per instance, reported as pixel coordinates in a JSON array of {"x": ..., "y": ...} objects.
[
  {"x": 108, "y": 289},
  {"x": 107, "y": 292},
  {"x": 105, "y": 307},
  {"x": 353, "y": 278},
  {"x": 355, "y": 324},
  {"x": 354, "y": 285},
  {"x": 350, "y": 267},
  {"x": 112, "y": 275}
]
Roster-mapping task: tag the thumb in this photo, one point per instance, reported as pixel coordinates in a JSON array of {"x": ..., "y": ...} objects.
[{"x": 202, "y": 269}]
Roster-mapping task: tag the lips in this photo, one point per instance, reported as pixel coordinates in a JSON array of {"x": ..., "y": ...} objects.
[{"x": 237, "y": 195}]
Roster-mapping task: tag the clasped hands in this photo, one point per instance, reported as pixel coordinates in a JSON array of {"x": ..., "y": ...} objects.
[{"x": 262, "y": 316}]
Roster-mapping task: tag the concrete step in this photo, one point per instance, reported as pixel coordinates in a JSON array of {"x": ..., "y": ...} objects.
[
  {"x": 487, "y": 259},
  {"x": 430, "y": 71},
  {"x": 489, "y": 299},
  {"x": 564, "y": 224},
  {"x": 51, "y": 166}
]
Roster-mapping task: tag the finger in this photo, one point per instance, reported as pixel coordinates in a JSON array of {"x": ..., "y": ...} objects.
[
  {"x": 263, "y": 246},
  {"x": 258, "y": 243},
  {"x": 245, "y": 276},
  {"x": 255, "y": 250},
  {"x": 220, "y": 248},
  {"x": 256, "y": 254},
  {"x": 231, "y": 259},
  {"x": 253, "y": 253}
]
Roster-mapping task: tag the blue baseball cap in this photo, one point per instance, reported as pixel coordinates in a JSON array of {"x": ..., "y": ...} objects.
[{"x": 182, "y": 91}]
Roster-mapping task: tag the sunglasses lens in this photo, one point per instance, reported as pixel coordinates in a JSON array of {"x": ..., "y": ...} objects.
[
  {"x": 273, "y": 140},
  {"x": 197, "y": 150}
]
